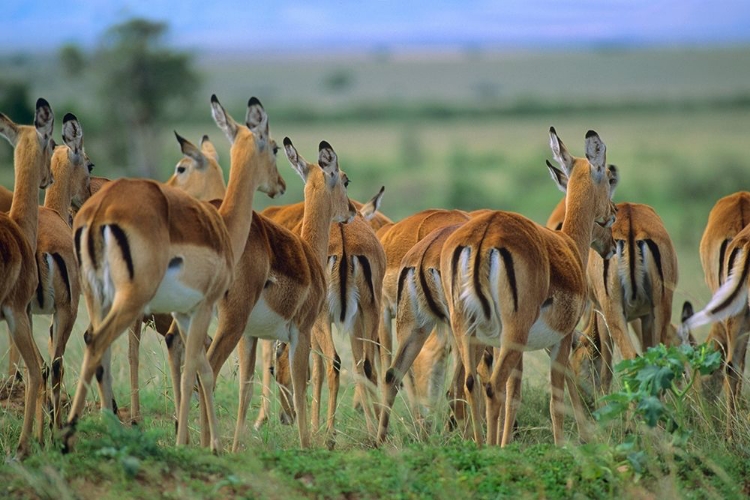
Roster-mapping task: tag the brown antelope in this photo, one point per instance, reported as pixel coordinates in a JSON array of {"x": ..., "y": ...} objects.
[
  {"x": 517, "y": 286},
  {"x": 33, "y": 149},
  {"x": 397, "y": 239},
  {"x": 422, "y": 307},
  {"x": 162, "y": 324},
  {"x": 636, "y": 284},
  {"x": 198, "y": 173},
  {"x": 356, "y": 263},
  {"x": 169, "y": 253},
  {"x": 58, "y": 291},
  {"x": 724, "y": 250},
  {"x": 279, "y": 286}
]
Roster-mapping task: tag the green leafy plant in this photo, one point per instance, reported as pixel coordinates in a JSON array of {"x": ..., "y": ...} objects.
[{"x": 655, "y": 385}]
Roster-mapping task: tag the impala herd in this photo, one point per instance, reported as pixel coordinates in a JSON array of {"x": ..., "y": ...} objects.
[{"x": 479, "y": 288}]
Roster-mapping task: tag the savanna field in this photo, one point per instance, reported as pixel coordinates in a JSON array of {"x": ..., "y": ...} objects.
[{"x": 467, "y": 130}]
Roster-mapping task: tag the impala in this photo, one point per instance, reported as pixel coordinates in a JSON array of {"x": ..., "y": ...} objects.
[
  {"x": 33, "y": 149},
  {"x": 636, "y": 284},
  {"x": 724, "y": 256},
  {"x": 355, "y": 268},
  {"x": 279, "y": 287},
  {"x": 169, "y": 253},
  {"x": 518, "y": 286},
  {"x": 58, "y": 291}
]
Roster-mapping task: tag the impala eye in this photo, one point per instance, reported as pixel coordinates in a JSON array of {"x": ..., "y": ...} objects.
[
  {"x": 180, "y": 170},
  {"x": 91, "y": 167},
  {"x": 275, "y": 150}
]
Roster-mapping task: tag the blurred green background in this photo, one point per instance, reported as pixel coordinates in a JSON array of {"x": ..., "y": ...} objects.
[{"x": 465, "y": 128}]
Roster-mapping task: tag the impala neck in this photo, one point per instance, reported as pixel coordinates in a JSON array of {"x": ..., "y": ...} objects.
[
  {"x": 237, "y": 206},
  {"x": 58, "y": 196},
  {"x": 316, "y": 222},
  {"x": 24, "y": 210},
  {"x": 578, "y": 222}
]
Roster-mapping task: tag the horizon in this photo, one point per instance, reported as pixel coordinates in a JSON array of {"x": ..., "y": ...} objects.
[{"x": 289, "y": 27}]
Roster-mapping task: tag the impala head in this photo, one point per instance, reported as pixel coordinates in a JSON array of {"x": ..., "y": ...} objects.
[
  {"x": 71, "y": 164},
  {"x": 198, "y": 173},
  {"x": 587, "y": 182},
  {"x": 33, "y": 144},
  {"x": 325, "y": 176},
  {"x": 252, "y": 144}
]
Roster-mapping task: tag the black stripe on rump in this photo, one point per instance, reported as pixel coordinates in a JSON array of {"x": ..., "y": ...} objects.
[
  {"x": 454, "y": 264},
  {"x": 367, "y": 270},
  {"x": 431, "y": 302},
  {"x": 722, "y": 255},
  {"x": 122, "y": 241},
  {"x": 78, "y": 244},
  {"x": 511, "y": 272},
  {"x": 475, "y": 276},
  {"x": 63, "y": 271},
  {"x": 401, "y": 280},
  {"x": 736, "y": 291},
  {"x": 654, "y": 249}
]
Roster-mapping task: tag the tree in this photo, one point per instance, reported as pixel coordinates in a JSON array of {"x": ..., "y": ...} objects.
[{"x": 143, "y": 83}]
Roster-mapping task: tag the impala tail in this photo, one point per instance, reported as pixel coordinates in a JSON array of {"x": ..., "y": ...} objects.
[
  {"x": 728, "y": 300},
  {"x": 104, "y": 256}
]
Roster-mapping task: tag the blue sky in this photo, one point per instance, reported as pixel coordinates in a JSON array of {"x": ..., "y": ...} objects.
[{"x": 288, "y": 25}]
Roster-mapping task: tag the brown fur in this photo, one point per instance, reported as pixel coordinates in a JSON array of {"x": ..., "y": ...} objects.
[
  {"x": 727, "y": 231},
  {"x": 654, "y": 288},
  {"x": 127, "y": 248},
  {"x": 540, "y": 277},
  {"x": 286, "y": 272},
  {"x": 18, "y": 240},
  {"x": 355, "y": 240}
]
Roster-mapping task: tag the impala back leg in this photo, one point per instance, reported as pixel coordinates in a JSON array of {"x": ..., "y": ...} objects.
[
  {"x": 299, "y": 361},
  {"x": 324, "y": 352},
  {"x": 267, "y": 376},
  {"x": 63, "y": 322},
  {"x": 99, "y": 339},
  {"x": 407, "y": 352},
  {"x": 19, "y": 326},
  {"x": 246, "y": 350}
]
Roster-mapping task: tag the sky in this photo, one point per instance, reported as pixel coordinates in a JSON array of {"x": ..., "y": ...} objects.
[{"x": 294, "y": 26}]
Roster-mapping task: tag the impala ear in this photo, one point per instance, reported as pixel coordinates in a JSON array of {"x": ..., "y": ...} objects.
[
  {"x": 44, "y": 120},
  {"x": 560, "y": 152},
  {"x": 614, "y": 179},
  {"x": 8, "y": 129},
  {"x": 560, "y": 177},
  {"x": 256, "y": 120},
  {"x": 369, "y": 209},
  {"x": 596, "y": 152},
  {"x": 298, "y": 163},
  {"x": 208, "y": 148},
  {"x": 223, "y": 120},
  {"x": 72, "y": 134},
  {"x": 329, "y": 162},
  {"x": 191, "y": 151}
]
